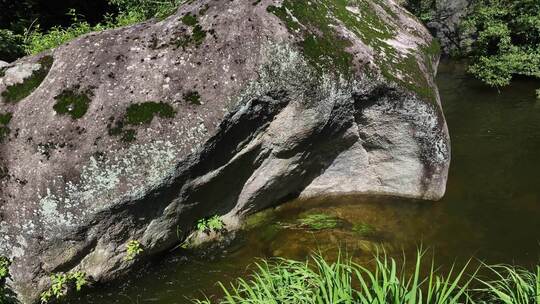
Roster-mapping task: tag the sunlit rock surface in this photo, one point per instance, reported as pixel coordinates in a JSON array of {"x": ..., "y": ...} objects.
[{"x": 226, "y": 107}]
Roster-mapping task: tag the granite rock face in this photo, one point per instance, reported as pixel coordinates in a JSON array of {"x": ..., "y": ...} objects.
[
  {"x": 445, "y": 25},
  {"x": 226, "y": 107}
]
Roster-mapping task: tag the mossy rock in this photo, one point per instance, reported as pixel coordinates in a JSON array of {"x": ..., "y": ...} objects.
[{"x": 19, "y": 91}]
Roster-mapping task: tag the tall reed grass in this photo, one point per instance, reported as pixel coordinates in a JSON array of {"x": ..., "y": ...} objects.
[{"x": 387, "y": 281}]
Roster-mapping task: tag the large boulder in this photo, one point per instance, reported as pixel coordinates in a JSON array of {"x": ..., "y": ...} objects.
[{"x": 226, "y": 107}]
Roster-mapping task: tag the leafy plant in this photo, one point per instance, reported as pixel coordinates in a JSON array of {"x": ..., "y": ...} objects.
[
  {"x": 61, "y": 284},
  {"x": 207, "y": 225},
  {"x": 133, "y": 249}
]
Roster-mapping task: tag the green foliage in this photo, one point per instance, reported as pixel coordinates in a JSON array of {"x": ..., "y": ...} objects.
[
  {"x": 507, "y": 40},
  {"x": 146, "y": 9},
  {"x": 4, "y": 275},
  {"x": 19, "y": 91},
  {"x": 143, "y": 113},
  {"x": 61, "y": 283},
  {"x": 10, "y": 45},
  {"x": 207, "y": 225},
  {"x": 318, "y": 221},
  {"x": 133, "y": 249},
  {"x": 73, "y": 103},
  {"x": 321, "y": 282},
  {"x": 130, "y": 12},
  {"x": 423, "y": 9}
]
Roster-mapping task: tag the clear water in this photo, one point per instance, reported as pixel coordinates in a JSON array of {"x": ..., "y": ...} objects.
[{"x": 491, "y": 210}]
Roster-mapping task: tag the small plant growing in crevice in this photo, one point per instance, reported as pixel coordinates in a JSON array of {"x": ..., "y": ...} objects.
[
  {"x": 133, "y": 249},
  {"x": 19, "y": 91},
  {"x": 61, "y": 283},
  {"x": 207, "y": 225},
  {"x": 73, "y": 103}
]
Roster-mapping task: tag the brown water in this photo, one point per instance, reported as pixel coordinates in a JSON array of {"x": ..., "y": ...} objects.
[{"x": 491, "y": 210}]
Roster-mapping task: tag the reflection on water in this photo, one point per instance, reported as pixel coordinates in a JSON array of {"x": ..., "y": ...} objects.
[{"x": 491, "y": 209}]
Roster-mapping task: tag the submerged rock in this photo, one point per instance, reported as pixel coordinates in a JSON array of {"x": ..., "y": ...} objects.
[{"x": 226, "y": 107}]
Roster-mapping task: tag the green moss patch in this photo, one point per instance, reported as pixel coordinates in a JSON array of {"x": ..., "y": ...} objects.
[
  {"x": 19, "y": 91},
  {"x": 197, "y": 35},
  {"x": 192, "y": 97},
  {"x": 73, "y": 103},
  {"x": 4, "y": 121},
  {"x": 138, "y": 114},
  {"x": 190, "y": 20},
  {"x": 143, "y": 113}
]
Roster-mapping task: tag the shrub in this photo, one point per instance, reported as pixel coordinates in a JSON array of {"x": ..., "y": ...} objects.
[
  {"x": 507, "y": 39},
  {"x": 10, "y": 45}
]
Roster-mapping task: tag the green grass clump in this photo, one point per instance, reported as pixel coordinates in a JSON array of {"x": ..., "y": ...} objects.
[
  {"x": 512, "y": 285},
  {"x": 143, "y": 113},
  {"x": 73, "y": 103},
  {"x": 318, "y": 221},
  {"x": 19, "y": 91},
  {"x": 129, "y": 12},
  {"x": 318, "y": 281}
]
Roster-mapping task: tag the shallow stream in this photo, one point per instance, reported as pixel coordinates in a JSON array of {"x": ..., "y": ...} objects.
[{"x": 491, "y": 210}]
